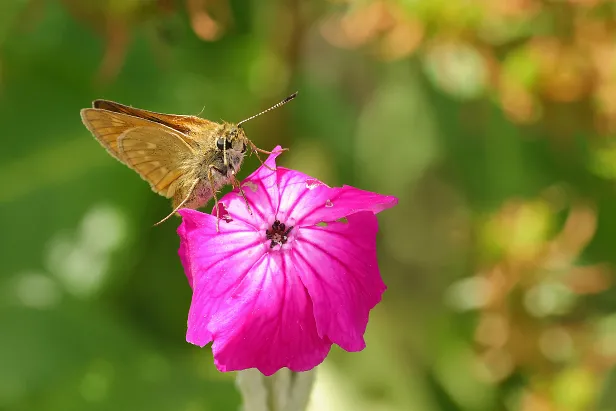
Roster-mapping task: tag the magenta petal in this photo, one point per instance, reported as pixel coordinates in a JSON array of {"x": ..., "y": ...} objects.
[
  {"x": 338, "y": 266},
  {"x": 184, "y": 253},
  {"x": 218, "y": 263},
  {"x": 268, "y": 322},
  {"x": 261, "y": 191},
  {"x": 309, "y": 201}
]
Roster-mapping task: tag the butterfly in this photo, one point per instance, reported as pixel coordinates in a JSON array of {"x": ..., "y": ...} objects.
[{"x": 183, "y": 157}]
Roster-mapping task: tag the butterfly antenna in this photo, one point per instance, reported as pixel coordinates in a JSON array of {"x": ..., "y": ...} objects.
[
  {"x": 275, "y": 106},
  {"x": 179, "y": 205},
  {"x": 201, "y": 112}
]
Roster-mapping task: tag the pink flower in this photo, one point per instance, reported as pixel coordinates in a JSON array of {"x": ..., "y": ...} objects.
[{"x": 277, "y": 287}]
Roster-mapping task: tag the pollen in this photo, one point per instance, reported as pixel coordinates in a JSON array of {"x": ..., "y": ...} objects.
[{"x": 278, "y": 234}]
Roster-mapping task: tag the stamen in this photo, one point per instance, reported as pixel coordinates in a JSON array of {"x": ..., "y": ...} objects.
[{"x": 278, "y": 234}]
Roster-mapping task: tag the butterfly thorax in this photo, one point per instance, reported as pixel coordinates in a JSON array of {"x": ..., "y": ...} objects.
[{"x": 220, "y": 156}]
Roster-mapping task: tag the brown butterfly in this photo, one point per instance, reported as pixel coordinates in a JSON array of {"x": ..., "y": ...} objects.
[{"x": 185, "y": 158}]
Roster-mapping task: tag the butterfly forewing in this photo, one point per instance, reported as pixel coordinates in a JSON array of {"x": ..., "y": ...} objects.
[
  {"x": 188, "y": 125},
  {"x": 107, "y": 127},
  {"x": 157, "y": 154}
]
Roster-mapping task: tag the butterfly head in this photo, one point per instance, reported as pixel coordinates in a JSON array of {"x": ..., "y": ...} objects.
[{"x": 232, "y": 144}]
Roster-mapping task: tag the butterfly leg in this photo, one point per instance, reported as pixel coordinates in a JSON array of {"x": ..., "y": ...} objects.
[
  {"x": 188, "y": 196},
  {"x": 210, "y": 178},
  {"x": 236, "y": 183},
  {"x": 256, "y": 150}
]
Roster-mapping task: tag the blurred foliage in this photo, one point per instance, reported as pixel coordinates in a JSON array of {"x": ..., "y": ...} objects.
[{"x": 492, "y": 121}]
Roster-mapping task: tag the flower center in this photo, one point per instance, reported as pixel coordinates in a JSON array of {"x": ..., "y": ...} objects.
[{"x": 278, "y": 233}]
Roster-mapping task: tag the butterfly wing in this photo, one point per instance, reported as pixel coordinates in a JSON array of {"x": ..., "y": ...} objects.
[
  {"x": 188, "y": 125},
  {"x": 158, "y": 155},
  {"x": 107, "y": 127}
]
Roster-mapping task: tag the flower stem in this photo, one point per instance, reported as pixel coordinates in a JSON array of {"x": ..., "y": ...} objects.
[{"x": 284, "y": 391}]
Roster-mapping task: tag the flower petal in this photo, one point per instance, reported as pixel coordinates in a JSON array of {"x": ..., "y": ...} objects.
[
  {"x": 338, "y": 265},
  {"x": 218, "y": 262},
  {"x": 268, "y": 322},
  {"x": 261, "y": 192},
  {"x": 308, "y": 201},
  {"x": 184, "y": 253}
]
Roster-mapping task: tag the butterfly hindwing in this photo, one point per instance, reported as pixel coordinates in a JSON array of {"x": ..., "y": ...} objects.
[{"x": 157, "y": 154}]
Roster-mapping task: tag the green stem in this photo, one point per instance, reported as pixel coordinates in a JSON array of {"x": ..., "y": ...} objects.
[{"x": 284, "y": 391}]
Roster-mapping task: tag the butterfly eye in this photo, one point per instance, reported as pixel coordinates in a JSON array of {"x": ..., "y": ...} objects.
[{"x": 223, "y": 144}]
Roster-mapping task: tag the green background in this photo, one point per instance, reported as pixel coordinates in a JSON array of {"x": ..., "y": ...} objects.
[{"x": 490, "y": 121}]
